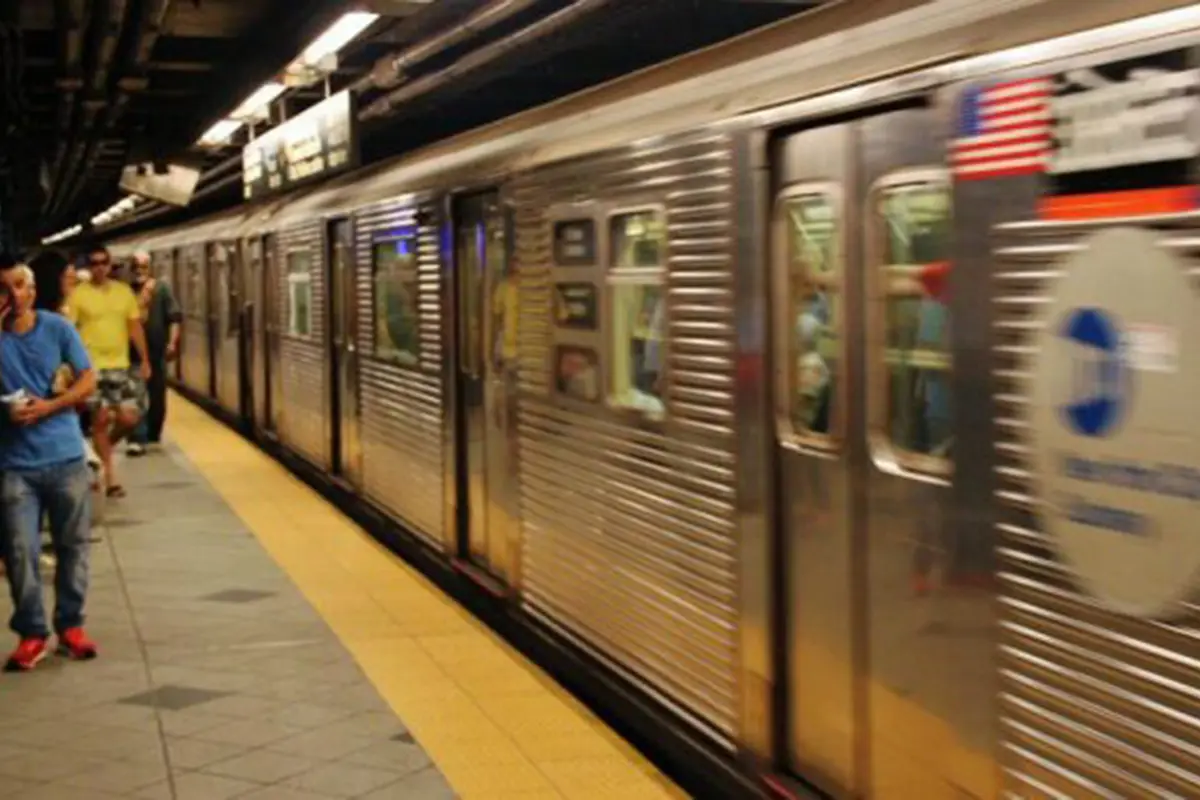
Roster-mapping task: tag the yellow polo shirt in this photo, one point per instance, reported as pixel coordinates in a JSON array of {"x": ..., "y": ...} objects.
[{"x": 102, "y": 314}]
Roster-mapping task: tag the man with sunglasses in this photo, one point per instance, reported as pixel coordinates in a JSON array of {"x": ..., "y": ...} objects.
[{"x": 109, "y": 319}]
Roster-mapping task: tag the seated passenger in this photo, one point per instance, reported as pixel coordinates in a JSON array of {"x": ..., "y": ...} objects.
[{"x": 43, "y": 468}]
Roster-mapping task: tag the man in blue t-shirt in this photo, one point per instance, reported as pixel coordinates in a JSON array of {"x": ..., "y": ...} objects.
[{"x": 42, "y": 469}]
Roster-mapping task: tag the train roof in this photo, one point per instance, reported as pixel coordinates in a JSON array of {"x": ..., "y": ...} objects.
[{"x": 848, "y": 43}]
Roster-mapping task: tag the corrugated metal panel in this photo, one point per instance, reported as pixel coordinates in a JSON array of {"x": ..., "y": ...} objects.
[
  {"x": 629, "y": 529},
  {"x": 403, "y": 412},
  {"x": 305, "y": 376},
  {"x": 226, "y": 304},
  {"x": 1093, "y": 704}
]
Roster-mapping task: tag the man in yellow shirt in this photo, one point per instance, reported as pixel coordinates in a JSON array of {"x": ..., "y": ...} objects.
[{"x": 108, "y": 317}]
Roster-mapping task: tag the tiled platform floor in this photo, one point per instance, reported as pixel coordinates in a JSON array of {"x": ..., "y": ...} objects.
[
  {"x": 217, "y": 679},
  {"x": 255, "y": 643}
]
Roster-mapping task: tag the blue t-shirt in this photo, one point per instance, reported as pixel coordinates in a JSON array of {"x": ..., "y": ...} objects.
[{"x": 28, "y": 361}]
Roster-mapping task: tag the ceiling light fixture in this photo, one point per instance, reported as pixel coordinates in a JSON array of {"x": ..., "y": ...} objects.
[
  {"x": 262, "y": 96},
  {"x": 74, "y": 230},
  {"x": 220, "y": 133},
  {"x": 337, "y": 36}
]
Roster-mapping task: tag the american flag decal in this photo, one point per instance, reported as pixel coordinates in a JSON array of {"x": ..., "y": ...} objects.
[{"x": 1003, "y": 130}]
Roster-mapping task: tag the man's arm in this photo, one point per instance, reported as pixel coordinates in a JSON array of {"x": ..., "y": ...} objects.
[
  {"x": 137, "y": 333},
  {"x": 74, "y": 354},
  {"x": 80, "y": 390}
]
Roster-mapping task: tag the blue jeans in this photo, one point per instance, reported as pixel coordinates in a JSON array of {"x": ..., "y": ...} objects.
[{"x": 63, "y": 491}]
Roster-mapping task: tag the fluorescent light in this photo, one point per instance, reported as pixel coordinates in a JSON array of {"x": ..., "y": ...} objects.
[
  {"x": 261, "y": 97},
  {"x": 220, "y": 132},
  {"x": 74, "y": 230},
  {"x": 339, "y": 34},
  {"x": 117, "y": 209}
]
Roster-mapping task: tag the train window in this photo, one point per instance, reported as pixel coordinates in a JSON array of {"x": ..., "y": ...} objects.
[
  {"x": 396, "y": 278},
  {"x": 812, "y": 225},
  {"x": 636, "y": 278},
  {"x": 299, "y": 284},
  {"x": 912, "y": 216}
]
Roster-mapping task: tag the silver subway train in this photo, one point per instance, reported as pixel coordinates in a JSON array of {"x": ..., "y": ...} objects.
[{"x": 732, "y": 374}]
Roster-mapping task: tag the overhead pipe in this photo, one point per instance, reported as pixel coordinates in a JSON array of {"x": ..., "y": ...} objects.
[
  {"x": 71, "y": 17},
  {"x": 482, "y": 57},
  {"x": 112, "y": 24},
  {"x": 135, "y": 79},
  {"x": 389, "y": 70},
  {"x": 473, "y": 61}
]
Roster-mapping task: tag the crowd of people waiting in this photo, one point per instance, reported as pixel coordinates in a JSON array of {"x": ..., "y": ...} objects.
[{"x": 83, "y": 360}]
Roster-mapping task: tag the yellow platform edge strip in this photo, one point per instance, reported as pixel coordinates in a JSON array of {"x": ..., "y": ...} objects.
[{"x": 494, "y": 724}]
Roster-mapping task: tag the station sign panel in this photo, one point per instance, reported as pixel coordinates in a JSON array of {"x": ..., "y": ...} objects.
[
  {"x": 320, "y": 142},
  {"x": 1116, "y": 437}
]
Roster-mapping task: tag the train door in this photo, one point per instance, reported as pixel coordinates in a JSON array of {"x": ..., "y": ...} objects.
[
  {"x": 345, "y": 444},
  {"x": 486, "y": 314},
  {"x": 888, "y": 682},
  {"x": 270, "y": 344}
]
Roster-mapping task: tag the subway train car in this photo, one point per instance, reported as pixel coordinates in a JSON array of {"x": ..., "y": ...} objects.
[{"x": 782, "y": 381}]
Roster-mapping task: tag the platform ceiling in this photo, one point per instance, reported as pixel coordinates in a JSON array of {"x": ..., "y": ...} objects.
[{"x": 88, "y": 86}]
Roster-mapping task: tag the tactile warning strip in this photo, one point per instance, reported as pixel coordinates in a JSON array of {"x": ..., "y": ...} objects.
[{"x": 496, "y": 726}]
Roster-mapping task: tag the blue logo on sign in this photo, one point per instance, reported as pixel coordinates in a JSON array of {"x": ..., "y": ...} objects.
[{"x": 1099, "y": 392}]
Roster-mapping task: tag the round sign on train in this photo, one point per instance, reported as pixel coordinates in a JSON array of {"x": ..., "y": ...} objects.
[{"x": 1116, "y": 431}]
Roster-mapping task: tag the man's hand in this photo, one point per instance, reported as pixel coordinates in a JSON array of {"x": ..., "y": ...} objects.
[
  {"x": 33, "y": 411},
  {"x": 144, "y": 370}
]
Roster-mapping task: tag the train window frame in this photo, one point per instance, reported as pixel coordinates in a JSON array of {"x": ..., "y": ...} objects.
[
  {"x": 788, "y": 432},
  {"x": 617, "y": 278},
  {"x": 888, "y": 455},
  {"x": 294, "y": 280},
  {"x": 395, "y": 355}
]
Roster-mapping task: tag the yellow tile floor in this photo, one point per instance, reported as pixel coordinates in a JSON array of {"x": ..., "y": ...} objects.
[{"x": 496, "y": 726}]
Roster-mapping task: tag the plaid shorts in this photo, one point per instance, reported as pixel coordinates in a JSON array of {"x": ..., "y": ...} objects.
[{"x": 121, "y": 389}]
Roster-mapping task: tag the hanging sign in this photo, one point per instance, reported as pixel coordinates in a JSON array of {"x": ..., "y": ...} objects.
[{"x": 321, "y": 141}]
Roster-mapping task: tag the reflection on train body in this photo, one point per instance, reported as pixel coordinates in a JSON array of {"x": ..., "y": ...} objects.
[{"x": 735, "y": 408}]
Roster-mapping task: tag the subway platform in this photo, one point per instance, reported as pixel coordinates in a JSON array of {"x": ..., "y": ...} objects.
[{"x": 255, "y": 643}]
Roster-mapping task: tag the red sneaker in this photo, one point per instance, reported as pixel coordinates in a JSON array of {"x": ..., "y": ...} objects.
[
  {"x": 27, "y": 655},
  {"x": 73, "y": 642}
]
